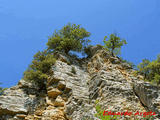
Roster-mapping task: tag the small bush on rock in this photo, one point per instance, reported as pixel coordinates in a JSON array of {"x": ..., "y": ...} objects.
[
  {"x": 39, "y": 70},
  {"x": 100, "y": 115}
]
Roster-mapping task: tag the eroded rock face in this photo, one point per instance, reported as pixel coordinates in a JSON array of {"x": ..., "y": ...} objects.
[
  {"x": 149, "y": 95},
  {"x": 112, "y": 85},
  {"x": 73, "y": 86},
  {"x": 15, "y": 103},
  {"x": 74, "y": 95}
]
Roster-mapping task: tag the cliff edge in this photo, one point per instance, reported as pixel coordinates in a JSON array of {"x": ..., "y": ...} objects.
[{"x": 77, "y": 86}]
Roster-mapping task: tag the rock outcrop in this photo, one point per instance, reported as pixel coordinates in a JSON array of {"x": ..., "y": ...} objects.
[
  {"x": 100, "y": 79},
  {"x": 18, "y": 101},
  {"x": 149, "y": 96}
]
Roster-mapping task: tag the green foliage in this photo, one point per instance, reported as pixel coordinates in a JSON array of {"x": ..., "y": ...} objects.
[
  {"x": 73, "y": 70},
  {"x": 114, "y": 44},
  {"x": 150, "y": 70},
  {"x": 96, "y": 102},
  {"x": 100, "y": 115},
  {"x": 36, "y": 77},
  {"x": 42, "y": 61},
  {"x": 143, "y": 68},
  {"x": 39, "y": 70},
  {"x": 71, "y": 37},
  {"x": 149, "y": 118},
  {"x": 156, "y": 79}
]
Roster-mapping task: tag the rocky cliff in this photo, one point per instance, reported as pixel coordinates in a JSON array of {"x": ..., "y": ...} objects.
[{"x": 100, "y": 79}]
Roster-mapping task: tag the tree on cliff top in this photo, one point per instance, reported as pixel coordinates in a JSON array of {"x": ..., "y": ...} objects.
[
  {"x": 71, "y": 37},
  {"x": 114, "y": 44}
]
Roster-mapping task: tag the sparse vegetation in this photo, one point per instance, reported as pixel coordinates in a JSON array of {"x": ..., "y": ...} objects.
[
  {"x": 73, "y": 37},
  {"x": 149, "y": 118},
  {"x": 100, "y": 115}
]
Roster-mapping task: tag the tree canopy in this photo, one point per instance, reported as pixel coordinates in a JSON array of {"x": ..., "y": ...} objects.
[
  {"x": 143, "y": 68},
  {"x": 150, "y": 70},
  {"x": 71, "y": 37},
  {"x": 114, "y": 44}
]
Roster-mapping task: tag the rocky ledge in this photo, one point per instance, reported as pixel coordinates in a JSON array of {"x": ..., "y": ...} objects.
[{"x": 74, "y": 95}]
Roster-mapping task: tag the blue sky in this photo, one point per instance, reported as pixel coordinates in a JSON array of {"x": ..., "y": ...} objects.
[{"x": 26, "y": 24}]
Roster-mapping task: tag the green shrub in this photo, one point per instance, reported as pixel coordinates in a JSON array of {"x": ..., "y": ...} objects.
[
  {"x": 42, "y": 61},
  {"x": 37, "y": 77},
  {"x": 39, "y": 70},
  {"x": 100, "y": 115}
]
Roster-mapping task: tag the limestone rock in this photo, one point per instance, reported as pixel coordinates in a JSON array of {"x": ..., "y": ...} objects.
[
  {"x": 54, "y": 93},
  {"x": 53, "y": 113},
  {"x": 59, "y": 102},
  {"x": 13, "y": 102},
  {"x": 149, "y": 95},
  {"x": 16, "y": 102},
  {"x": 100, "y": 79}
]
